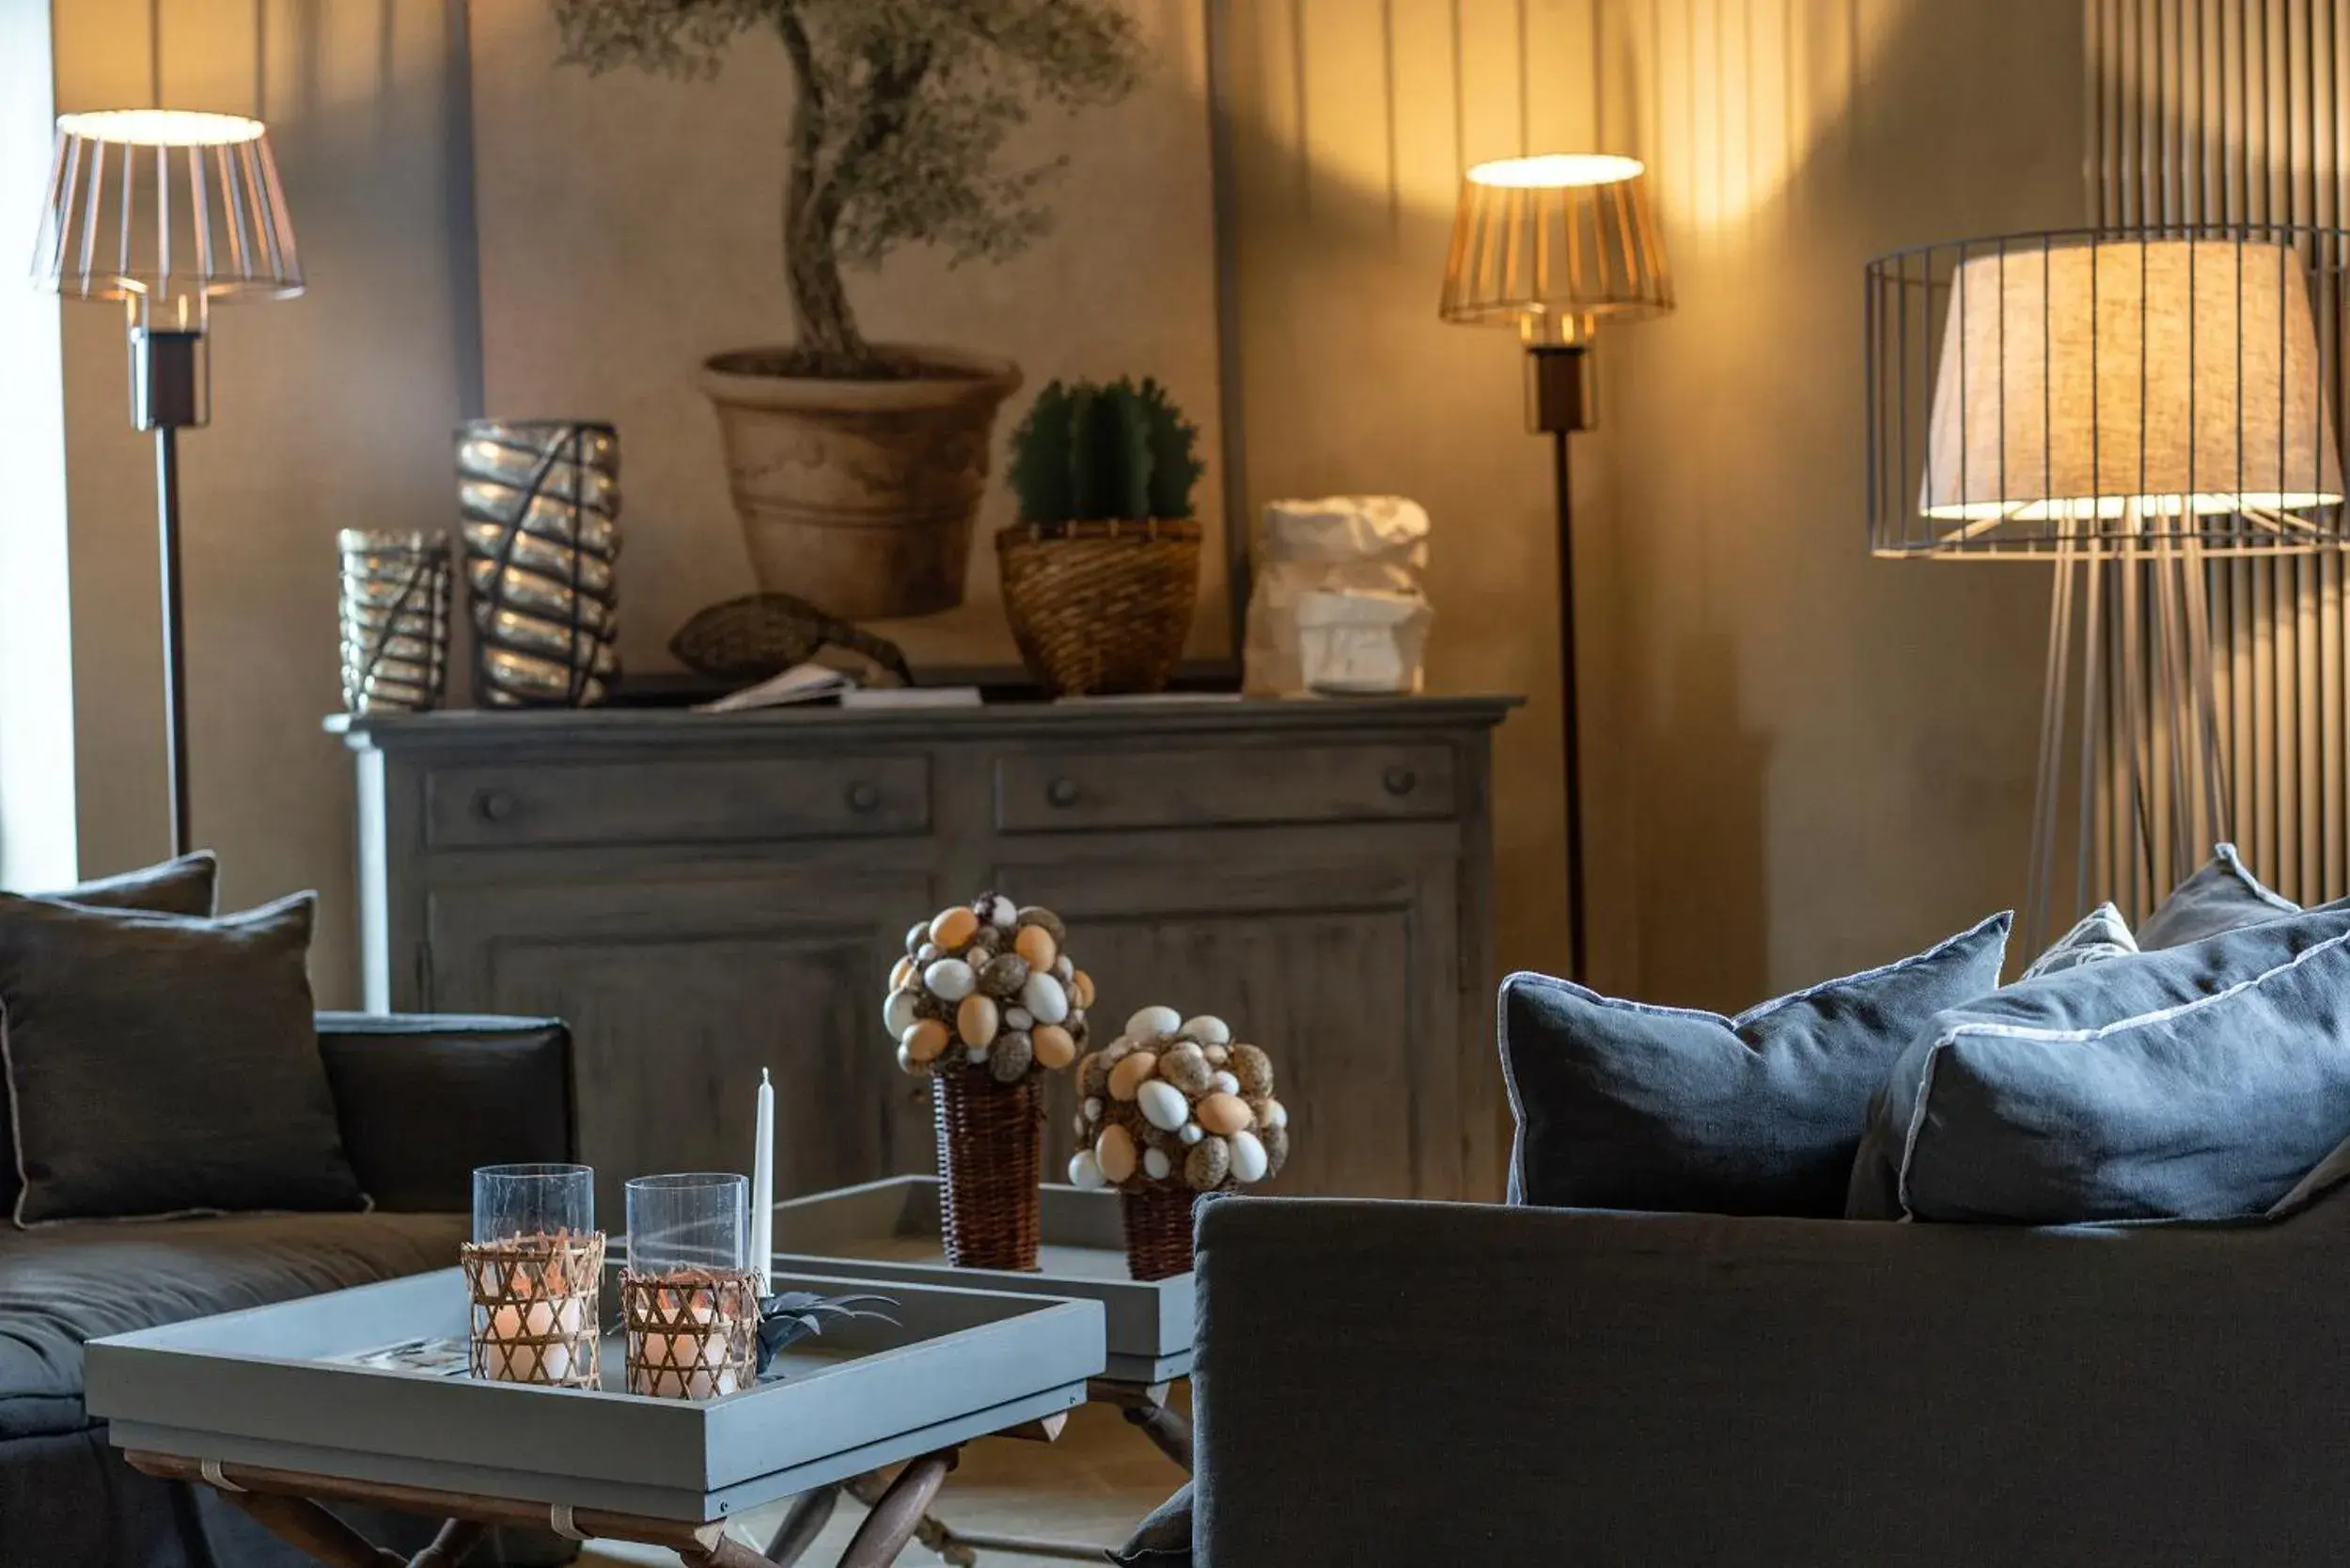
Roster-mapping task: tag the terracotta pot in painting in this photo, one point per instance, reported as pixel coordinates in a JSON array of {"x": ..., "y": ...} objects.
[{"x": 859, "y": 493}]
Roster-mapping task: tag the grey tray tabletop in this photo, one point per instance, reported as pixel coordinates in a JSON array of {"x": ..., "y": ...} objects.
[
  {"x": 889, "y": 1230},
  {"x": 254, "y": 1387}
]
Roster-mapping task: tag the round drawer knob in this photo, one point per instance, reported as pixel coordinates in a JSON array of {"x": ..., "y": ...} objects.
[
  {"x": 1399, "y": 781},
  {"x": 863, "y": 797},
  {"x": 1061, "y": 791},
  {"x": 495, "y": 805}
]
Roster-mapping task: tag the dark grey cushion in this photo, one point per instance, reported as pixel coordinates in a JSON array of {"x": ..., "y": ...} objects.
[
  {"x": 2201, "y": 1082},
  {"x": 1627, "y": 1106},
  {"x": 187, "y": 885},
  {"x": 2102, "y": 934},
  {"x": 160, "y": 1064},
  {"x": 63, "y": 1284},
  {"x": 424, "y": 1098},
  {"x": 2221, "y": 896}
]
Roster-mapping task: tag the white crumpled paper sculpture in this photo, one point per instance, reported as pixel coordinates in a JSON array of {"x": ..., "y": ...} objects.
[{"x": 1338, "y": 603}]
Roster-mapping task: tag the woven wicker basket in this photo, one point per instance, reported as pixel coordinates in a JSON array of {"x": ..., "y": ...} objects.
[
  {"x": 991, "y": 1156},
  {"x": 1158, "y": 1231},
  {"x": 1100, "y": 609}
]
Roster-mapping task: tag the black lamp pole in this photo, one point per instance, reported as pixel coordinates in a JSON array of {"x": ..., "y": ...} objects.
[
  {"x": 1561, "y": 397},
  {"x": 168, "y": 388}
]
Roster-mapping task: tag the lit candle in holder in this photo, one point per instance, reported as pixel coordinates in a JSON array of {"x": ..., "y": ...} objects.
[
  {"x": 689, "y": 1297},
  {"x": 534, "y": 1272}
]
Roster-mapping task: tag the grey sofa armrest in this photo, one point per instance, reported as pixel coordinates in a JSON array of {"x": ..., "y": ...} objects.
[
  {"x": 1407, "y": 1383},
  {"x": 424, "y": 1098}
]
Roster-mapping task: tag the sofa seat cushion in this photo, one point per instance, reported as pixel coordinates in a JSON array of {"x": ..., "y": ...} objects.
[{"x": 63, "y": 1284}]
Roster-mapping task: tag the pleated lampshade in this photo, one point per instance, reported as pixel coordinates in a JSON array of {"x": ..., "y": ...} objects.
[
  {"x": 1555, "y": 244},
  {"x": 2135, "y": 384},
  {"x": 168, "y": 209}
]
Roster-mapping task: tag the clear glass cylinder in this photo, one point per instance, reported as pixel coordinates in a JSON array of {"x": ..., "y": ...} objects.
[
  {"x": 697, "y": 1220},
  {"x": 514, "y": 1201}
]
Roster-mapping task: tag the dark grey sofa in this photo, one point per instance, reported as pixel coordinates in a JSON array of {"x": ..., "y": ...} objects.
[
  {"x": 1418, "y": 1383},
  {"x": 422, "y": 1101}
]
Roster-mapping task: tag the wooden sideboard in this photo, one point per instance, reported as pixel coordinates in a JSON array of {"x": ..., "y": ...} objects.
[{"x": 701, "y": 895}]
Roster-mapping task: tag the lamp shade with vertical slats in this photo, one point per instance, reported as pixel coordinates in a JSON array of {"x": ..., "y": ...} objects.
[
  {"x": 1554, "y": 243},
  {"x": 167, "y": 208}
]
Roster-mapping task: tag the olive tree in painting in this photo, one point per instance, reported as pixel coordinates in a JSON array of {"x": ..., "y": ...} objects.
[{"x": 899, "y": 120}]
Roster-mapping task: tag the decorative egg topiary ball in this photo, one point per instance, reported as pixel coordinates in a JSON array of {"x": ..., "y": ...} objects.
[
  {"x": 988, "y": 984},
  {"x": 1176, "y": 1103}
]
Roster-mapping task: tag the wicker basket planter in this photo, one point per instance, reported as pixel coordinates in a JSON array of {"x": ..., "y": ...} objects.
[
  {"x": 1100, "y": 609},
  {"x": 991, "y": 1158},
  {"x": 1158, "y": 1231}
]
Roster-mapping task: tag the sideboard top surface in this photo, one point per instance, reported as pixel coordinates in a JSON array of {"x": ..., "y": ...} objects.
[{"x": 558, "y": 728}]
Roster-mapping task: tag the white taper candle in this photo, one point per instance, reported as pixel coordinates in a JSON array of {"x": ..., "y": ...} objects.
[{"x": 763, "y": 1186}]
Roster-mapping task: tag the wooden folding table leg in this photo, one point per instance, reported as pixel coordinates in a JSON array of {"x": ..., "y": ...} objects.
[
  {"x": 448, "y": 1548},
  {"x": 299, "y": 1522},
  {"x": 810, "y": 1514},
  {"x": 898, "y": 1512}
]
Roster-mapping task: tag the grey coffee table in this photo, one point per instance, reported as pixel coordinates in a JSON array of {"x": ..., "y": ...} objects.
[
  {"x": 887, "y": 1233},
  {"x": 265, "y": 1406}
]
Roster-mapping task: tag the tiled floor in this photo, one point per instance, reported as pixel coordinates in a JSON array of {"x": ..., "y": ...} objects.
[{"x": 1091, "y": 1486}]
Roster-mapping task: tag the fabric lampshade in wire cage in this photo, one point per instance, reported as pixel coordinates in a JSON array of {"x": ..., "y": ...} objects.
[
  {"x": 2032, "y": 392},
  {"x": 2126, "y": 404}
]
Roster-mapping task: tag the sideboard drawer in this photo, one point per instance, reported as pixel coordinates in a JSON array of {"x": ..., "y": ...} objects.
[
  {"x": 1240, "y": 787},
  {"x": 684, "y": 801}
]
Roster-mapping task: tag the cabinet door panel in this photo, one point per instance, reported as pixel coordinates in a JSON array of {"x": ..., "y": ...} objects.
[
  {"x": 1344, "y": 969},
  {"x": 679, "y": 989}
]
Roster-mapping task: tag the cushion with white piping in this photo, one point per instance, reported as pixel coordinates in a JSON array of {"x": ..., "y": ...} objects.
[
  {"x": 2201, "y": 1082},
  {"x": 1627, "y": 1106},
  {"x": 2102, "y": 934},
  {"x": 2222, "y": 895}
]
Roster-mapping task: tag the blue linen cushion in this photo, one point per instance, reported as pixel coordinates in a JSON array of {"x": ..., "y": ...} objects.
[
  {"x": 1625, "y": 1105},
  {"x": 2101, "y": 935},
  {"x": 2201, "y": 1082},
  {"x": 2222, "y": 895}
]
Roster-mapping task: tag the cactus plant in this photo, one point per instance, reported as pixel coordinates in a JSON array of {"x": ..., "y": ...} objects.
[{"x": 1090, "y": 452}]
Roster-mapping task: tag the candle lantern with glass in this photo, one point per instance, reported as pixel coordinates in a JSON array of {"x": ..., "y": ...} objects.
[
  {"x": 534, "y": 1272},
  {"x": 689, "y": 1297}
]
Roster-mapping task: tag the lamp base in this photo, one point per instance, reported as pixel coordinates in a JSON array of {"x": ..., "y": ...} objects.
[{"x": 1562, "y": 388}]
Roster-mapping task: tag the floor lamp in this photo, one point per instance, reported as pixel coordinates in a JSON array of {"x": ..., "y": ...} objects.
[
  {"x": 1555, "y": 244},
  {"x": 167, "y": 209},
  {"x": 2127, "y": 404}
]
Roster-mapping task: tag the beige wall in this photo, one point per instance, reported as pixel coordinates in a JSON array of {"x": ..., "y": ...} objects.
[
  {"x": 1800, "y": 761},
  {"x": 329, "y": 411}
]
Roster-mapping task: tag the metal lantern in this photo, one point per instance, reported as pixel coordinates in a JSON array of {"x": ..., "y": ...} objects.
[
  {"x": 540, "y": 501},
  {"x": 2127, "y": 404},
  {"x": 394, "y": 620}
]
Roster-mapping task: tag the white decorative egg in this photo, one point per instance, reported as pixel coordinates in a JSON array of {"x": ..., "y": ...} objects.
[
  {"x": 1043, "y": 996},
  {"x": 1018, "y": 1018},
  {"x": 1248, "y": 1157},
  {"x": 1094, "y": 1108},
  {"x": 1275, "y": 1114},
  {"x": 1155, "y": 1164},
  {"x": 1003, "y": 913},
  {"x": 898, "y": 1013},
  {"x": 1163, "y": 1104},
  {"x": 1152, "y": 1022},
  {"x": 1085, "y": 1171},
  {"x": 1208, "y": 1029},
  {"x": 1191, "y": 1133},
  {"x": 950, "y": 980},
  {"x": 1224, "y": 1083},
  {"x": 975, "y": 1053}
]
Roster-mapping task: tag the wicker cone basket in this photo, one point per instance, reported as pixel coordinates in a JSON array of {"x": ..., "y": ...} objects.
[
  {"x": 1158, "y": 1231},
  {"x": 1100, "y": 609},
  {"x": 991, "y": 1156}
]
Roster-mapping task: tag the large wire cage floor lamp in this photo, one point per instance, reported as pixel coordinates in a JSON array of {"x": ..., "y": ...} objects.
[{"x": 2128, "y": 404}]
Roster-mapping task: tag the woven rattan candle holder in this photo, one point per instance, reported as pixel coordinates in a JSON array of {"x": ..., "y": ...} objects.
[
  {"x": 535, "y": 1314},
  {"x": 692, "y": 1333}
]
